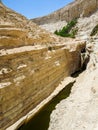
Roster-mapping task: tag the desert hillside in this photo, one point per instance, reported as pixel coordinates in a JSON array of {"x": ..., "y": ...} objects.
[{"x": 81, "y": 9}]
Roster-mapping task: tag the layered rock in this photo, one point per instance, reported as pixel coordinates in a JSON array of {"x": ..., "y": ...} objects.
[
  {"x": 17, "y": 28},
  {"x": 28, "y": 75},
  {"x": 34, "y": 62}
]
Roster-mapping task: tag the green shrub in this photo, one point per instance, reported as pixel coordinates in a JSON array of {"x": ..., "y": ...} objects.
[
  {"x": 94, "y": 31},
  {"x": 67, "y": 31},
  {"x": 56, "y": 32}
]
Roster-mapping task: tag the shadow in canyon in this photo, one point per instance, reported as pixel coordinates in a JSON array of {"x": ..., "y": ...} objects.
[{"x": 41, "y": 120}]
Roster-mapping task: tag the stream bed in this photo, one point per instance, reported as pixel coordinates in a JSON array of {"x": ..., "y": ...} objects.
[{"x": 41, "y": 120}]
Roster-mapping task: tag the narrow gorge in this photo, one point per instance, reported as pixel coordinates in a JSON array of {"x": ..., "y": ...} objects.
[{"x": 36, "y": 65}]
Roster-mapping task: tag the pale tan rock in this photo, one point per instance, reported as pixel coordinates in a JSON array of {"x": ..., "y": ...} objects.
[{"x": 80, "y": 110}]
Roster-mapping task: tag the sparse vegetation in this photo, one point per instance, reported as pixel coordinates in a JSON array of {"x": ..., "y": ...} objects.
[
  {"x": 94, "y": 31},
  {"x": 68, "y": 30}
]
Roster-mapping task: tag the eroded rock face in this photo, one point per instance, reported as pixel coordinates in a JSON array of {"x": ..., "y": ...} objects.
[
  {"x": 33, "y": 63},
  {"x": 75, "y": 9},
  {"x": 28, "y": 75}
]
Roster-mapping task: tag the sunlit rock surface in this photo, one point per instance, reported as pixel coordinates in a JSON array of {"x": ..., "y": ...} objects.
[{"x": 80, "y": 110}]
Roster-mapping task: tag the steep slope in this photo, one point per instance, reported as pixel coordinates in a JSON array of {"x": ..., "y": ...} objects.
[{"x": 58, "y": 19}]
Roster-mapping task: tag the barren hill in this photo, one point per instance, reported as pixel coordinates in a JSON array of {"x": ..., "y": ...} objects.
[{"x": 59, "y": 18}]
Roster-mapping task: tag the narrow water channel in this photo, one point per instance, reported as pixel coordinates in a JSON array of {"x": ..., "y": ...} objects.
[{"x": 41, "y": 120}]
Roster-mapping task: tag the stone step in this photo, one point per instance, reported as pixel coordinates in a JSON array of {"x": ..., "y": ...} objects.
[
  {"x": 13, "y": 32},
  {"x": 6, "y": 26}
]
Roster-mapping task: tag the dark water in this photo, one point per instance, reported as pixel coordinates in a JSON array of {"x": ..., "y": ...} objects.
[{"x": 41, "y": 120}]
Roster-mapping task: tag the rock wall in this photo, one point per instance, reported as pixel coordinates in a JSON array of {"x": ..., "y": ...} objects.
[
  {"x": 30, "y": 75},
  {"x": 79, "y": 8}
]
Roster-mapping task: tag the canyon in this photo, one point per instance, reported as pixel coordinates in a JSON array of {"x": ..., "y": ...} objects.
[
  {"x": 35, "y": 62},
  {"x": 78, "y": 111}
]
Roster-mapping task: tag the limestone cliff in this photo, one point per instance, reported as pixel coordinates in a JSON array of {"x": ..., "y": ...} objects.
[{"x": 33, "y": 63}]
